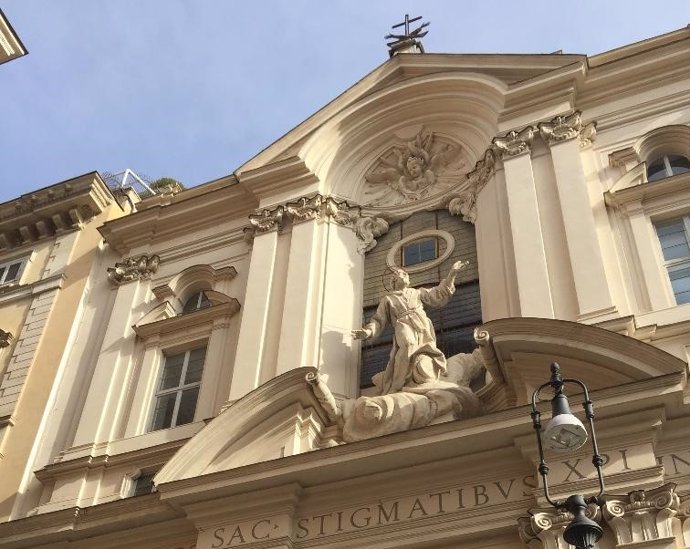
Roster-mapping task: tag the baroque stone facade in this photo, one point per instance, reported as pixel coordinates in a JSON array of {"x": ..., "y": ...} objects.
[{"x": 198, "y": 384}]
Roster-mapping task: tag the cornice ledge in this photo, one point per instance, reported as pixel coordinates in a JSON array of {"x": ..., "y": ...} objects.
[
  {"x": 281, "y": 176},
  {"x": 643, "y": 190},
  {"x": 53, "y": 211},
  {"x": 183, "y": 322}
]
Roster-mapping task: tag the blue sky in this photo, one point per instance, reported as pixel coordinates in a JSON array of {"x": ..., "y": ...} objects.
[{"x": 192, "y": 89}]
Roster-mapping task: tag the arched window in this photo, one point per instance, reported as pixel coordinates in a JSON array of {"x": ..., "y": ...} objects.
[
  {"x": 666, "y": 166},
  {"x": 198, "y": 301}
]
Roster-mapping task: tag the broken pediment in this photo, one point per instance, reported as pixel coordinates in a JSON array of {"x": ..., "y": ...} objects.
[{"x": 278, "y": 419}]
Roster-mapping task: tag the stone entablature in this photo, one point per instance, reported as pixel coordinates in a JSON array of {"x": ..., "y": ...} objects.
[{"x": 44, "y": 213}]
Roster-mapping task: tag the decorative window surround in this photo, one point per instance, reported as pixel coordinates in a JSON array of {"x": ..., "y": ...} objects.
[
  {"x": 392, "y": 259},
  {"x": 640, "y": 204},
  {"x": 195, "y": 279},
  {"x": 180, "y": 323}
]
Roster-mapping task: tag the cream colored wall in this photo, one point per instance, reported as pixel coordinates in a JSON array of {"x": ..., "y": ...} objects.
[{"x": 70, "y": 254}]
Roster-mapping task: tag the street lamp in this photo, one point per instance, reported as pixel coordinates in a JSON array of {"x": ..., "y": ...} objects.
[{"x": 564, "y": 433}]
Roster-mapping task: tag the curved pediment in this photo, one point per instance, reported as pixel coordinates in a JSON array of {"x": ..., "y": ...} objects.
[
  {"x": 519, "y": 351},
  {"x": 280, "y": 418}
]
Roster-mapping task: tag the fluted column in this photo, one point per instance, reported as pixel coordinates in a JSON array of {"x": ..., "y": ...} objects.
[
  {"x": 565, "y": 136},
  {"x": 534, "y": 289}
]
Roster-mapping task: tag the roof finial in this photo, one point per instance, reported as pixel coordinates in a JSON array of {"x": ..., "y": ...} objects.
[{"x": 409, "y": 41}]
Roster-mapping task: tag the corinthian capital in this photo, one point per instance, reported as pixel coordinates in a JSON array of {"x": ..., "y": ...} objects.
[
  {"x": 141, "y": 267},
  {"x": 563, "y": 128},
  {"x": 266, "y": 220},
  {"x": 513, "y": 143},
  {"x": 642, "y": 515}
]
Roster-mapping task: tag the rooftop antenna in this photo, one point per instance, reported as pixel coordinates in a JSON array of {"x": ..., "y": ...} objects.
[{"x": 409, "y": 41}]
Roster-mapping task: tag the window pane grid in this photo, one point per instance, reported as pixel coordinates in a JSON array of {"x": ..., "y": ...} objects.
[
  {"x": 178, "y": 391},
  {"x": 673, "y": 240}
]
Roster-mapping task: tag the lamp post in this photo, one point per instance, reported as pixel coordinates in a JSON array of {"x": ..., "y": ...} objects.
[{"x": 564, "y": 433}]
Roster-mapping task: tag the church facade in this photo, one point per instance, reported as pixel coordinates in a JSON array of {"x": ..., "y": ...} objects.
[{"x": 251, "y": 366}]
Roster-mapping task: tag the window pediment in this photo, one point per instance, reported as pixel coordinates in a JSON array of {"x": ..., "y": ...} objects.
[{"x": 179, "y": 323}]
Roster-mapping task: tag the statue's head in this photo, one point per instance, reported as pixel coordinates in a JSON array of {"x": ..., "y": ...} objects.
[
  {"x": 398, "y": 279},
  {"x": 415, "y": 166}
]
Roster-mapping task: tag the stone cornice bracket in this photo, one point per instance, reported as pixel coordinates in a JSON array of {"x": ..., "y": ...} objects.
[
  {"x": 466, "y": 203},
  {"x": 544, "y": 527},
  {"x": 513, "y": 143},
  {"x": 368, "y": 228},
  {"x": 341, "y": 211},
  {"x": 267, "y": 220},
  {"x": 564, "y": 128},
  {"x": 304, "y": 209},
  {"x": 642, "y": 515},
  {"x": 133, "y": 268},
  {"x": 6, "y": 339}
]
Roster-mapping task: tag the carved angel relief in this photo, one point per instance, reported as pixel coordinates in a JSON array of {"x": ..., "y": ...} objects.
[{"x": 412, "y": 171}]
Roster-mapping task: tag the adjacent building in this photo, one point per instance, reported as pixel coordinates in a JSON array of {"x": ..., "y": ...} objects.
[
  {"x": 210, "y": 392},
  {"x": 49, "y": 240}
]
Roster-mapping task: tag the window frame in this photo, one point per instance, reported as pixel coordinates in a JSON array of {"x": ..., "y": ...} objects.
[
  {"x": 419, "y": 243},
  {"x": 178, "y": 389},
  {"x": 637, "y": 206},
  {"x": 6, "y": 264},
  {"x": 668, "y": 168}
]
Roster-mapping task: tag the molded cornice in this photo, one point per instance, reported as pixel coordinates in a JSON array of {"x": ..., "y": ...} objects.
[
  {"x": 191, "y": 210},
  {"x": 52, "y": 210}
]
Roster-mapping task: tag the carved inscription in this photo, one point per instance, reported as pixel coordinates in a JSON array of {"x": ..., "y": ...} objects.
[{"x": 453, "y": 499}]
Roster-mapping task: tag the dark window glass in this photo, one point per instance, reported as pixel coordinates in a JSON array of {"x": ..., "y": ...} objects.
[
  {"x": 419, "y": 252},
  {"x": 143, "y": 484},
  {"x": 196, "y": 302},
  {"x": 178, "y": 389}
]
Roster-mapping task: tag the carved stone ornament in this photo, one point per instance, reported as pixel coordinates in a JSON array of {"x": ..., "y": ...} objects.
[
  {"x": 466, "y": 203},
  {"x": 368, "y": 228},
  {"x": 6, "y": 338},
  {"x": 304, "y": 209},
  {"x": 267, "y": 220},
  {"x": 419, "y": 386},
  {"x": 513, "y": 143},
  {"x": 544, "y": 527},
  {"x": 684, "y": 516},
  {"x": 133, "y": 268},
  {"x": 563, "y": 128},
  {"x": 642, "y": 515},
  {"x": 410, "y": 172},
  {"x": 323, "y": 208}
]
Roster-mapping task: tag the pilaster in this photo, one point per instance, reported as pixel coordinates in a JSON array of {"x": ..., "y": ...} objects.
[
  {"x": 534, "y": 289},
  {"x": 103, "y": 402},
  {"x": 251, "y": 346},
  {"x": 565, "y": 136}
]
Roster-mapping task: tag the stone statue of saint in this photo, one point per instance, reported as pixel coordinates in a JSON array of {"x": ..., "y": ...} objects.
[
  {"x": 415, "y": 360},
  {"x": 416, "y": 388}
]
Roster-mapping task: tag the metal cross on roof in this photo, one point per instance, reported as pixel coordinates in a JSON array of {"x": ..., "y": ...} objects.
[{"x": 409, "y": 38}]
